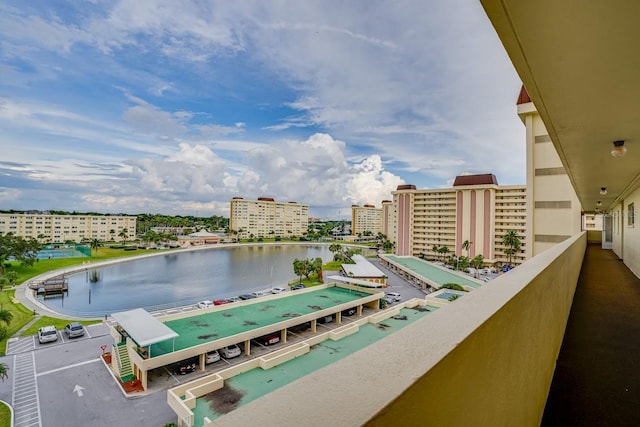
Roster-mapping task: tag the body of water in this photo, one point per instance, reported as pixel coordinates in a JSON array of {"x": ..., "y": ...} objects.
[{"x": 183, "y": 278}]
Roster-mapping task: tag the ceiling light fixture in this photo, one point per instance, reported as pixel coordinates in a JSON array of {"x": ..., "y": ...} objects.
[
  {"x": 599, "y": 203},
  {"x": 619, "y": 149},
  {"x": 603, "y": 191}
]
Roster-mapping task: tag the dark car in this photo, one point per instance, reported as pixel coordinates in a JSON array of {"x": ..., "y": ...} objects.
[
  {"x": 269, "y": 339},
  {"x": 325, "y": 319},
  {"x": 349, "y": 311},
  {"x": 246, "y": 296},
  {"x": 298, "y": 286},
  {"x": 301, "y": 327},
  {"x": 186, "y": 366}
]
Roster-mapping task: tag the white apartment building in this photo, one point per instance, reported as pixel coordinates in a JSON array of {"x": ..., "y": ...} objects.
[
  {"x": 48, "y": 228},
  {"x": 267, "y": 218},
  {"x": 366, "y": 219}
]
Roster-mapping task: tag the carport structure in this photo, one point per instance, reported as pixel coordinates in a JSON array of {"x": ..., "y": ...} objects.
[
  {"x": 426, "y": 273},
  {"x": 193, "y": 334}
]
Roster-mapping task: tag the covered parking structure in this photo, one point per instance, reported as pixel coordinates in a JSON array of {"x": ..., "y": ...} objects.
[
  {"x": 426, "y": 274},
  {"x": 205, "y": 330}
]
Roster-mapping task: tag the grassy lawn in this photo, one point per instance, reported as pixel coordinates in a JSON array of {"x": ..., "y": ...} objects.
[
  {"x": 22, "y": 315},
  {"x": 53, "y": 321},
  {"x": 5, "y": 415},
  {"x": 43, "y": 265}
]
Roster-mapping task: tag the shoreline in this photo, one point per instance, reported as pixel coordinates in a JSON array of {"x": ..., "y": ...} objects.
[{"x": 25, "y": 296}]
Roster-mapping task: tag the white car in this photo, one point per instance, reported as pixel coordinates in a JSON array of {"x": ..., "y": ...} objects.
[
  {"x": 230, "y": 351},
  {"x": 211, "y": 357},
  {"x": 277, "y": 290},
  {"x": 256, "y": 294},
  {"x": 394, "y": 296},
  {"x": 47, "y": 334},
  {"x": 205, "y": 304}
]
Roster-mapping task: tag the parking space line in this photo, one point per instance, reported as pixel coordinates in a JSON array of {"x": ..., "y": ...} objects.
[{"x": 86, "y": 362}]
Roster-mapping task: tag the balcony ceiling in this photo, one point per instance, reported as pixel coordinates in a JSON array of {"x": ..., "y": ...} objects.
[{"x": 580, "y": 63}]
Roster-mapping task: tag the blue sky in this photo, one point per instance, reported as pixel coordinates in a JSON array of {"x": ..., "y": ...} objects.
[{"x": 169, "y": 107}]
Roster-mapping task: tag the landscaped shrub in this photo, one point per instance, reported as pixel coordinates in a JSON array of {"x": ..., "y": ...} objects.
[{"x": 453, "y": 286}]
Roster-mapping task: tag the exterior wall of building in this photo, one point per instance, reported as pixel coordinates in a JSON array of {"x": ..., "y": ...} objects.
[
  {"x": 447, "y": 217},
  {"x": 47, "y": 228},
  {"x": 388, "y": 220},
  {"x": 268, "y": 218},
  {"x": 366, "y": 219},
  {"x": 553, "y": 209}
]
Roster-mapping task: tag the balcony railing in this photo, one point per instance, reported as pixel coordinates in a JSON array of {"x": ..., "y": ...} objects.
[{"x": 485, "y": 360}]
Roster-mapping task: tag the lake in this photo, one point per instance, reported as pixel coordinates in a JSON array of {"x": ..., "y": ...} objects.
[{"x": 181, "y": 278}]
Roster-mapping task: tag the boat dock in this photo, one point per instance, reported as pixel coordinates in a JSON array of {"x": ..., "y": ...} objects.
[{"x": 51, "y": 287}]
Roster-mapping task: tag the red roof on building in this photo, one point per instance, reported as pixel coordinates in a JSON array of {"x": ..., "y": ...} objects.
[
  {"x": 523, "y": 98},
  {"x": 406, "y": 187},
  {"x": 266, "y": 199},
  {"x": 483, "y": 179}
]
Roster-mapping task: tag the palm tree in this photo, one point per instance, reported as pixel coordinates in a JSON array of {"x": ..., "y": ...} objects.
[
  {"x": 124, "y": 233},
  {"x": 4, "y": 371},
  {"x": 477, "y": 263},
  {"x": 466, "y": 245},
  {"x": 436, "y": 250},
  {"x": 6, "y": 316},
  {"x": 95, "y": 244},
  {"x": 511, "y": 241},
  {"x": 444, "y": 251}
]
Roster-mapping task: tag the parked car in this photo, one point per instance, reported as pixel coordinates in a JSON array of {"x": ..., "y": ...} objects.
[
  {"x": 269, "y": 339},
  {"x": 394, "y": 295},
  {"x": 298, "y": 286},
  {"x": 186, "y": 366},
  {"x": 301, "y": 327},
  {"x": 325, "y": 319},
  {"x": 230, "y": 351},
  {"x": 47, "y": 334},
  {"x": 256, "y": 294},
  {"x": 246, "y": 296},
  {"x": 74, "y": 329},
  {"x": 277, "y": 290},
  {"x": 221, "y": 301},
  {"x": 211, "y": 357},
  {"x": 205, "y": 304},
  {"x": 349, "y": 311}
]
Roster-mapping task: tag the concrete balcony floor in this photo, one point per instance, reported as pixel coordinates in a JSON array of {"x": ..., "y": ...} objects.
[{"x": 597, "y": 377}]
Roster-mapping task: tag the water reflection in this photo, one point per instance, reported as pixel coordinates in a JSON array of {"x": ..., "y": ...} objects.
[{"x": 181, "y": 278}]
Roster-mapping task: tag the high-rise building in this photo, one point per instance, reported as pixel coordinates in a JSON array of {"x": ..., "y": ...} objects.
[
  {"x": 267, "y": 218},
  {"x": 475, "y": 210},
  {"x": 366, "y": 220},
  {"x": 48, "y": 228}
]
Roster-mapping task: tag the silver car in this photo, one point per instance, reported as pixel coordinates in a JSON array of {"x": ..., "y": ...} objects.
[{"x": 74, "y": 330}]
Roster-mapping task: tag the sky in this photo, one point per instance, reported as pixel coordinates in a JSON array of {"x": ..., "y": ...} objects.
[{"x": 174, "y": 107}]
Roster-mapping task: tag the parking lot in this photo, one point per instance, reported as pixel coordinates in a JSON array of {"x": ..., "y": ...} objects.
[{"x": 66, "y": 382}]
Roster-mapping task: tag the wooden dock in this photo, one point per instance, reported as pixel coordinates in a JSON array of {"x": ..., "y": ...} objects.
[{"x": 51, "y": 287}]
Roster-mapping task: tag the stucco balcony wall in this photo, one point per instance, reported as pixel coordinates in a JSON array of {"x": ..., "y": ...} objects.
[{"x": 484, "y": 360}]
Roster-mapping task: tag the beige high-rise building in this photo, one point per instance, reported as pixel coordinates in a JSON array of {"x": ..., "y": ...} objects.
[
  {"x": 366, "y": 220},
  {"x": 476, "y": 209},
  {"x": 553, "y": 209},
  {"x": 48, "y": 228},
  {"x": 267, "y": 218},
  {"x": 388, "y": 225}
]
